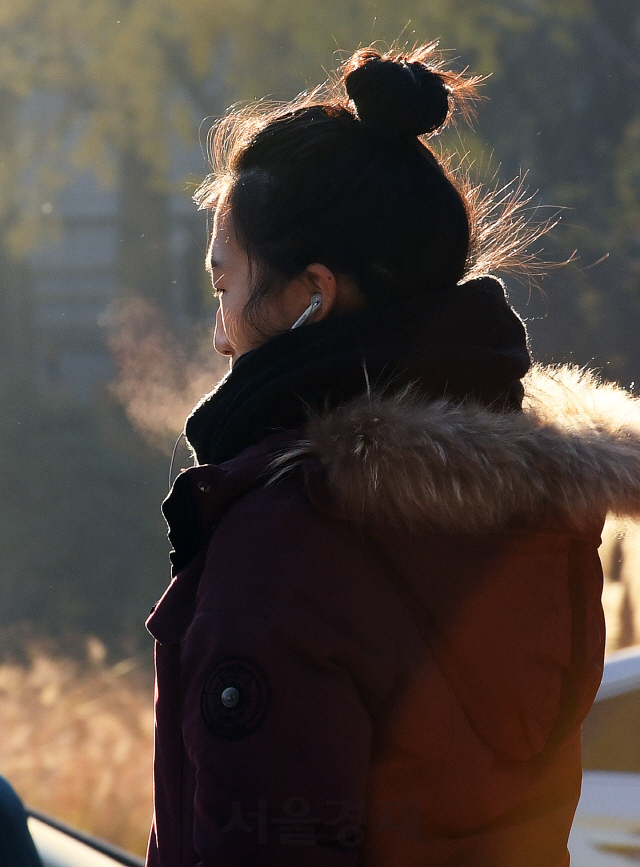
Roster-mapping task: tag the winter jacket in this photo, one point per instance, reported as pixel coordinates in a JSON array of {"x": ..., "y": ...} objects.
[{"x": 383, "y": 634}]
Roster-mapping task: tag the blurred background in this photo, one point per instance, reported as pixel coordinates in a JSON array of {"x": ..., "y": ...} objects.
[{"x": 106, "y": 314}]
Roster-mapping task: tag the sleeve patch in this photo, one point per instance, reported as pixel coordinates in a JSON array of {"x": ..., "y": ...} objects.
[{"x": 235, "y": 699}]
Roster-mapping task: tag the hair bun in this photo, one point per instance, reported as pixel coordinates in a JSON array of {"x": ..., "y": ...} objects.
[{"x": 397, "y": 97}]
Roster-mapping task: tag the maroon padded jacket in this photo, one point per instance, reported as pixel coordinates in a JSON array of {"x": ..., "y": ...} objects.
[{"x": 341, "y": 684}]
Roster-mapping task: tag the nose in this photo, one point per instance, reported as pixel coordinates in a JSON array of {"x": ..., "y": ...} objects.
[{"x": 220, "y": 341}]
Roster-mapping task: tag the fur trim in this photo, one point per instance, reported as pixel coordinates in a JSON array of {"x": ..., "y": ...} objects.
[{"x": 574, "y": 454}]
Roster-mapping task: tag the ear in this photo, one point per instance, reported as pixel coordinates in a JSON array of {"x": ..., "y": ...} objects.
[{"x": 323, "y": 281}]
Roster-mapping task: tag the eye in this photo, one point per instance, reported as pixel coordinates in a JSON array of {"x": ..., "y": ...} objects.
[{"x": 215, "y": 282}]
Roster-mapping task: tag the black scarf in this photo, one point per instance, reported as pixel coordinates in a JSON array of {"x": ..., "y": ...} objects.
[{"x": 464, "y": 343}]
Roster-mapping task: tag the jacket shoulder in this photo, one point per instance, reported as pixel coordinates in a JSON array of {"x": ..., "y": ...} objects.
[{"x": 572, "y": 455}]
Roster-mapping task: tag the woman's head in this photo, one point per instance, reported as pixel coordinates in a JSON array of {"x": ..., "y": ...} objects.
[
  {"x": 280, "y": 306},
  {"x": 340, "y": 180}
]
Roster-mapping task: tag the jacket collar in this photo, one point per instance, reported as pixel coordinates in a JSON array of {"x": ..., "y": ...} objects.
[{"x": 200, "y": 496}]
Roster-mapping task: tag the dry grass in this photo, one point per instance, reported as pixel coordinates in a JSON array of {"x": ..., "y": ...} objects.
[{"x": 77, "y": 742}]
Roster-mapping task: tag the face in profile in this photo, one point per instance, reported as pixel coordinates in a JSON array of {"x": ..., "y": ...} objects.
[
  {"x": 231, "y": 276},
  {"x": 230, "y": 272}
]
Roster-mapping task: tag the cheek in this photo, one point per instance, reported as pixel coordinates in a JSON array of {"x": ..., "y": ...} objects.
[
  {"x": 229, "y": 316},
  {"x": 232, "y": 334}
]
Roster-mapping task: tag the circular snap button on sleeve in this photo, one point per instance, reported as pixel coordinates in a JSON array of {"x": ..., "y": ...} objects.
[
  {"x": 235, "y": 699},
  {"x": 230, "y": 697}
]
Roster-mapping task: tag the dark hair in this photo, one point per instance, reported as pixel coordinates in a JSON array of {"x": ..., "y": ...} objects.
[{"x": 344, "y": 176}]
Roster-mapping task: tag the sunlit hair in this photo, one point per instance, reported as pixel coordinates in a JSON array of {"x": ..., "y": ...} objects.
[{"x": 355, "y": 184}]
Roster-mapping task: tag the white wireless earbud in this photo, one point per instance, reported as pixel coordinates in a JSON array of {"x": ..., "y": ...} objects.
[{"x": 316, "y": 301}]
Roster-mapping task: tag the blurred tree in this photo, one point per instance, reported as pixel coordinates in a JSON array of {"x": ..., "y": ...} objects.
[
  {"x": 100, "y": 85},
  {"x": 82, "y": 540},
  {"x": 564, "y": 101},
  {"x": 129, "y": 76}
]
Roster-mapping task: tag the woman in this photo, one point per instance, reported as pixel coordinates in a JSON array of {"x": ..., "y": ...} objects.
[{"x": 384, "y": 628}]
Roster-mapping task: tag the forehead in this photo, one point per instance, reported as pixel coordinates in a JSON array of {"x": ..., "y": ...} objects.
[{"x": 223, "y": 239}]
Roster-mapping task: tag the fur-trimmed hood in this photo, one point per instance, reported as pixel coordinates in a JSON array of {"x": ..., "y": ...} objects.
[{"x": 572, "y": 454}]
